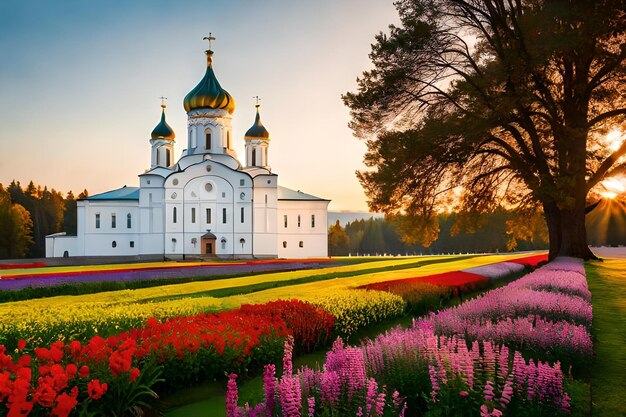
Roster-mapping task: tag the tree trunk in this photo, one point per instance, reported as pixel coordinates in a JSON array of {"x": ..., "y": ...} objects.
[{"x": 552, "y": 215}]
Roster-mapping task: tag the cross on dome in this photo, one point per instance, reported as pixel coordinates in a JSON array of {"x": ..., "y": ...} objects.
[
  {"x": 163, "y": 101},
  {"x": 209, "y": 38}
]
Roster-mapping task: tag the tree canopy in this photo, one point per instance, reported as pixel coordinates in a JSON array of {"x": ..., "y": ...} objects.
[{"x": 477, "y": 104}]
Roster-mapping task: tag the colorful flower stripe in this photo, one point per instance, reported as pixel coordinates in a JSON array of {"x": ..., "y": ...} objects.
[
  {"x": 23, "y": 265},
  {"x": 497, "y": 270},
  {"x": 521, "y": 315},
  {"x": 516, "y": 301},
  {"x": 153, "y": 266},
  {"x": 453, "y": 279},
  {"x": 567, "y": 282},
  {"x": 354, "y": 309},
  {"x": 531, "y": 261}
]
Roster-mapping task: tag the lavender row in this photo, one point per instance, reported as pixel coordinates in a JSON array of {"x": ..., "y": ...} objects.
[{"x": 546, "y": 312}]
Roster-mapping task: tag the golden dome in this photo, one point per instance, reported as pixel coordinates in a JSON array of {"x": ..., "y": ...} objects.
[{"x": 208, "y": 94}]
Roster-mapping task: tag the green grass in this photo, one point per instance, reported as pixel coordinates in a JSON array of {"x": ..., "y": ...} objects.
[
  {"x": 607, "y": 282},
  {"x": 248, "y": 289}
]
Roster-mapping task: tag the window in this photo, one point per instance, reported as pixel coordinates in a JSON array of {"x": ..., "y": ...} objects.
[
  {"x": 228, "y": 139},
  {"x": 242, "y": 182},
  {"x": 223, "y": 242},
  {"x": 174, "y": 215},
  {"x": 223, "y": 215},
  {"x": 167, "y": 157},
  {"x": 265, "y": 153},
  {"x": 312, "y": 220},
  {"x": 113, "y": 221},
  {"x": 301, "y": 244},
  {"x": 242, "y": 215},
  {"x": 285, "y": 219},
  {"x": 129, "y": 221},
  {"x": 207, "y": 140},
  {"x": 132, "y": 244},
  {"x": 298, "y": 220},
  {"x": 284, "y": 244},
  {"x": 208, "y": 216},
  {"x": 158, "y": 161},
  {"x": 223, "y": 195},
  {"x": 253, "y": 157},
  {"x": 150, "y": 198},
  {"x": 192, "y": 135},
  {"x": 193, "y": 215},
  {"x": 97, "y": 220},
  {"x": 114, "y": 244},
  {"x": 265, "y": 199}
]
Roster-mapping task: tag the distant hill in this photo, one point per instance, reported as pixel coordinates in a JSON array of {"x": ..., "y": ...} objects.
[{"x": 346, "y": 217}]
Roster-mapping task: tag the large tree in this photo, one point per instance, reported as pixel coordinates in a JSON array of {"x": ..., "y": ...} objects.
[{"x": 484, "y": 103}]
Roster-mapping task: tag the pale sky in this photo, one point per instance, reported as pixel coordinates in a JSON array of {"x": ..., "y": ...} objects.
[{"x": 80, "y": 81}]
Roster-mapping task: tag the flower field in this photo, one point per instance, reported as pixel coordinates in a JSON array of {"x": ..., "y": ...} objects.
[
  {"x": 498, "y": 354},
  {"x": 166, "y": 337}
]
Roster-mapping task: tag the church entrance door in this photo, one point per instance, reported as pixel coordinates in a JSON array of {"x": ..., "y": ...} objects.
[{"x": 208, "y": 248}]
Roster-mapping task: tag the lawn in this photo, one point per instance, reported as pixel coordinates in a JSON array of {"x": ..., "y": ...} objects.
[{"x": 607, "y": 282}]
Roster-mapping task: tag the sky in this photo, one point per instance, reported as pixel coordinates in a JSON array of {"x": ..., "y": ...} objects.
[{"x": 80, "y": 81}]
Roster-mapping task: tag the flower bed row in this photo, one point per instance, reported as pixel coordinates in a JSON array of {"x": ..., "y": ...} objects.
[
  {"x": 92, "y": 377},
  {"x": 539, "y": 314}
]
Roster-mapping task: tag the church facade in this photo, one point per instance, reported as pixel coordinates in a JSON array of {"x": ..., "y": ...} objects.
[{"x": 206, "y": 203}]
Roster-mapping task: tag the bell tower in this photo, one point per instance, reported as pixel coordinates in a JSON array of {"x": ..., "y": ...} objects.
[
  {"x": 257, "y": 142},
  {"x": 162, "y": 142}
]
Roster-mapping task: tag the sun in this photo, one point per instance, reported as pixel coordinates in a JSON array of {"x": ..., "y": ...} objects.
[{"x": 613, "y": 187}]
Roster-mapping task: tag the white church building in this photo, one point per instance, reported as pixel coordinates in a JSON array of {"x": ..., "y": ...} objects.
[{"x": 205, "y": 204}]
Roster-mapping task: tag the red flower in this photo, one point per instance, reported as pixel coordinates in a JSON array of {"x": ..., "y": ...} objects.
[
  {"x": 95, "y": 389},
  {"x": 83, "y": 372},
  {"x": 134, "y": 374},
  {"x": 71, "y": 370},
  {"x": 65, "y": 405},
  {"x": 45, "y": 394},
  {"x": 21, "y": 344},
  {"x": 20, "y": 409}
]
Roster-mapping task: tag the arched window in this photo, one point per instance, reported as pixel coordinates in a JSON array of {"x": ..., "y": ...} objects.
[
  {"x": 113, "y": 221},
  {"x": 298, "y": 220},
  {"x": 207, "y": 140},
  {"x": 284, "y": 244},
  {"x": 265, "y": 154},
  {"x": 253, "y": 157},
  {"x": 228, "y": 139},
  {"x": 174, "y": 215},
  {"x": 193, "y": 215},
  {"x": 167, "y": 158},
  {"x": 223, "y": 215},
  {"x": 223, "y": 242},
  {"x": 158, "y": 161},
  {"x": 114, "y": 244},
  {"x": 97, "y": 220},
  {"x": 129, "y": 221},
  {"x": 301, "y": 244}
]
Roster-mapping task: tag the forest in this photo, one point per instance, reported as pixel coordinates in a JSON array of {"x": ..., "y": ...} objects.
[
  {"x": 28, "y": 214},
  {"x": 606, "y": 226}
]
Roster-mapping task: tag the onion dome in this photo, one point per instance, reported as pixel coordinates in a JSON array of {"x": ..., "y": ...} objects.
[
  {"x": 257, "y": 131},
  {"x": 208, "y": 94},
  {"x": 163, "y": 130}
]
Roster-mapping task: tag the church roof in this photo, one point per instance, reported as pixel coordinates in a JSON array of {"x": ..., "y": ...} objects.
[
  {"x": 285, "y": 193},
  {"x": 124, "y": 193},
  {"x": 208, "y": 93}
]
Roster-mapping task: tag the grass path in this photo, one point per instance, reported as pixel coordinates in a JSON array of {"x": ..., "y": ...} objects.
[{"x": 607, "y": 282}]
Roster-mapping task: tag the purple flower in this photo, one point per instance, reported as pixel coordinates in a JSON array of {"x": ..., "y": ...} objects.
[{"x": 232, "y": 396}]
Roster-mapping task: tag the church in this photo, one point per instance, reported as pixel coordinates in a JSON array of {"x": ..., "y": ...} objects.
[{"x": 205, "y": 204}]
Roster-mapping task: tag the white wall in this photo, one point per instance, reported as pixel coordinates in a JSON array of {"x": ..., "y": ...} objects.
[{"x": 314, "y": 238}]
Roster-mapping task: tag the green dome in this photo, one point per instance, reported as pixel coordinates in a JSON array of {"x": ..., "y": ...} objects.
[
  {"x": 257, "y": 131},
  {"x": 163, "y": 130},
  {"x": 208, "y": 94}
]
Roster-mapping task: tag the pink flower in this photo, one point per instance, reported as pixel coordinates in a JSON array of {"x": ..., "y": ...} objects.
[{"x": 463, "y": 393}]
